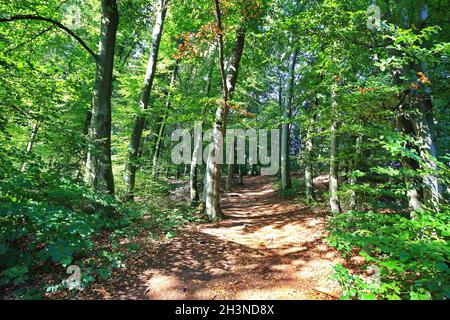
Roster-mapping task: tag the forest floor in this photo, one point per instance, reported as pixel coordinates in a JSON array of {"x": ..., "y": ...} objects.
[{"x": 268, "y": 247}]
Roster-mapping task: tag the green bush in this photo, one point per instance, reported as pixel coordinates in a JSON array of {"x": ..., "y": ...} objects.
[
  {"x": 32, "y": 233},
  {"x": 412, "y": 255},
  {"x": 49, "y": 221}
]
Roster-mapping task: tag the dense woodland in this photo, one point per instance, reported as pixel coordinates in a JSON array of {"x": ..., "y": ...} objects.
[{"x": 91, "y": 91}]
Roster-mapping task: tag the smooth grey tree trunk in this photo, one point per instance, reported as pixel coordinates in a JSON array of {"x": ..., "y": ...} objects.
[
  {"x": 194, "y": 172},
  {"x": 139, "y": 123},
  {"x": 333, "y": 183},
  {"x": 308, "y": 164},
  {"x": 280, "y": 126},
  {"x": 285, "y": 170},
  {"x": 213, "y": 168},
  {"x": 99, "y": 172}
]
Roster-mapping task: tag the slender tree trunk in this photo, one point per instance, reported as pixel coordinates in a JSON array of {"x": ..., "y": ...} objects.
[
  {"x": 229, "y": 180},
  {"x": 354, "y": 165},
  {"x": 308, "y": 164},
  {"x": 87, "y": 124},
  {"x": 230, "y": 171},
  {"x": 213, "y": 169},
  {"x": 285, "y": 172},
  {"x": 157, "y": 148},
  {"x": 144, "y": 144},
  {"x": 241, "y": 174},
  {"x": 194, "y": 189},
  {"x": 333, "y": 183},
  {"x": 280, "y": 126},
  {"x": 193, "y": 184},
  {"x": 32, "y": 138},
  {"x": 99, "y": 172},
  {"x": 30, "y": 143},
  {"x": 139, "y": 123}
]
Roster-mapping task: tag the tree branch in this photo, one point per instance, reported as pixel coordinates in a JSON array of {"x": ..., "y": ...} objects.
[{"x": 56, "y": 23}]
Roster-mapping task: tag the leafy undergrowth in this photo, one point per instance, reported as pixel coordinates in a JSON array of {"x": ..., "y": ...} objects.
[
  {"x": 297, "y": 185},
  {"x": 402, "y": 258},
  {"x": 51, "y": 227}
]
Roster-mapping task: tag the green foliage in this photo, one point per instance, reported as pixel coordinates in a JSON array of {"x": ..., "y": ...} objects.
[
  {"x": 297, "y": 186},
  {"x": 412, "y": 255},
  {"x": 48, "y": 221}
]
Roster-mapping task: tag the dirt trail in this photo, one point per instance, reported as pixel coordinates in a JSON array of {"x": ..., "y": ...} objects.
[{"x": 267, "y": 248}]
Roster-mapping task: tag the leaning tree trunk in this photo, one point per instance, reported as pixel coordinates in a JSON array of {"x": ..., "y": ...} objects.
[
  {"x": 213, "y": 168},
  {"x": 139, "y": 123},
  {"x": 333, "y": 183},
  {"x": 99, "y": 172},
  {"x": 285, "y": 172}
]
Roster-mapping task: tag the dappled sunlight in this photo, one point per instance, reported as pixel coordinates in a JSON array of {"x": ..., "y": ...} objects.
[{"x": 266, "y": 248}]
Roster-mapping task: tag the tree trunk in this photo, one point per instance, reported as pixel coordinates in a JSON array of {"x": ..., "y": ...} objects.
[
  {"x": 333, "y": 184},
  {"x": 30, "y": 143},
  {"x": 99, "y": 172},
  {"x": 229, "y": 180},
  {"x": 135, "y": 141},
  {"x": 308, "y": 164},
  {"x": 195, "y": 163},
  {"x": 193, "y": 184},
  {"x": 354, "y": 165},
  {"x": 87, "y": 124},
  {"x": 241, "y": 175},
  {"x": 230, "y": 168},
  {"x": 213, "y": 168},
  {"x": 280, "y": 126},
  {"x": 157, "y": 148},
  {"x": 408, "y": 126},
  {"x": 285, "y": 172},
  {"x": 421, "y": 129},
  {"x": 428, "y": 151}
]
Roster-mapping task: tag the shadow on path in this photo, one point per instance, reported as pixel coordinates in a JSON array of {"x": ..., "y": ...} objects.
[{"x": 266, "y": 248}]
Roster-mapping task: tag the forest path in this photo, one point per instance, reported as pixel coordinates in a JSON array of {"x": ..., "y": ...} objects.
[{"x": 266, "y": 248}]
